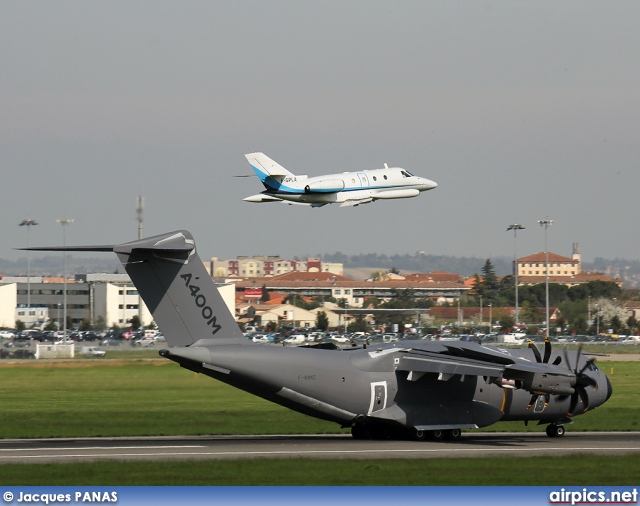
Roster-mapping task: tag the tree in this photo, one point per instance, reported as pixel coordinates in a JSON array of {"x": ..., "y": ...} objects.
[
  {"x": 358, "y": 325},
  {"x": 20, "y": 325},
  {"x": 490, "y": 283},
  {"x": 272, "y": 326},
  {"x": 85, "y": 324},
  {"x": 264, "y": 298},
  {"x": 135, "y": 322},
  {"x": 529, "y": 313},
  {"x": 51, "y": 326},
  {"x": 507, "y": 322},
  {"x": 100, "y": 323},
  {"x": 322, "y": 320}
]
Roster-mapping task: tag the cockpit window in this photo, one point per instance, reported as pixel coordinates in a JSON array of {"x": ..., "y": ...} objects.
[
  {"x": 406, "y": 174},
  {"x": 592, "y": 366}
]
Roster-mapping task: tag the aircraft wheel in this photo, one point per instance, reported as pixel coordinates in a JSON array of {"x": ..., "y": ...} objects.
[
  {"x": 437, "y": 435},
  {"x": 453, "y": 434},
  {"x": 420, "y": 435},
  {"x": 360, "y": 432},
  {"x": 555, "y": 430}
]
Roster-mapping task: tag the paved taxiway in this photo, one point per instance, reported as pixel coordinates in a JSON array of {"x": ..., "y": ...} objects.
[{"x": 322, "y": 446}]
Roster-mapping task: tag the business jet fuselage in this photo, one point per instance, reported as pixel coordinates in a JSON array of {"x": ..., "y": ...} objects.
[{"x": 346, "y": 189}]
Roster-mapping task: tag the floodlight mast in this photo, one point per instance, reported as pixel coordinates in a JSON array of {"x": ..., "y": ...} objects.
[
  {"x": 64, "y": 222},
  {"x": 515, "y": 227},
  {"x": 546, "y": 223},
  {"x": 28, "y": 224}
]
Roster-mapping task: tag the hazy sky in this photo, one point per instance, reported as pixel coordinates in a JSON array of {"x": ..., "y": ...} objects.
[{"x": 518, "y": 110}]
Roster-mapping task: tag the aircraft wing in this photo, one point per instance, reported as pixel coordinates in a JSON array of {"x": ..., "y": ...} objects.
[
  {"x": 419, "y": 362},
  {"x": 449, "y": 359},
  {"x": 356, "y": 202}
]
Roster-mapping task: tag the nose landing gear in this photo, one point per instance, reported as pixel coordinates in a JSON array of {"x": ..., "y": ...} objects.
[{"x": 554, "y": 430}]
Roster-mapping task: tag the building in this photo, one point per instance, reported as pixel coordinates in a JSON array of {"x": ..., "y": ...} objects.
[
  {"x": 108, "y": 298},
  {"x": 562, "y": 270},
  {"x": 261, "y": 266},
  {"x": 325, "y": 284}
]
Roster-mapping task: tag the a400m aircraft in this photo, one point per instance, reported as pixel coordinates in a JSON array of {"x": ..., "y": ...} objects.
[
  {"x": 416, "y": 389},
  {"x": 346, "y": 189}
]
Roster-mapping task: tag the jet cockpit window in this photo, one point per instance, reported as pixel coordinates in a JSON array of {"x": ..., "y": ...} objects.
[{"x": 406, "y": 174}]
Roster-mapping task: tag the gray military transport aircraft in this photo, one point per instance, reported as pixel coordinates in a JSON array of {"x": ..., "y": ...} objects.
[{"x": 406, "y": 389}]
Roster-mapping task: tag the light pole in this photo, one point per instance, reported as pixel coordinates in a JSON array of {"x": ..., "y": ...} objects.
[
  {"x": 64, "y": 222},
  {"x": 546, "y": 223},
  {"x": 490, "y": 318},
  {"x": 515, "y": 227},
  {"x": 28, "y": 224}
]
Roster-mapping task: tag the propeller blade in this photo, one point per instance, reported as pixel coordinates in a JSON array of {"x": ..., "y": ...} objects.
[
  {"x": 574, "y": 403},
  {"x": 584, "y": 397},
  {"x": 557, "y": 360},
  {"x": 534, "y": 348},
  {"x": 532, "y": 401},
  {"x": 547, "y": 350},
  {"x": 566, "y": 358}
]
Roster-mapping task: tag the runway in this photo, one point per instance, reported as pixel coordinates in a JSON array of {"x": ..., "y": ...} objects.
[{"x": 16, "y": 451}]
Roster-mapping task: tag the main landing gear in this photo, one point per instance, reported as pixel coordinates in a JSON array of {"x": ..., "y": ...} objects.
[
  {"x": 555, "y": 430},
  {"x": 377, "y": 432},
  {"x": 437, "y": 435}
]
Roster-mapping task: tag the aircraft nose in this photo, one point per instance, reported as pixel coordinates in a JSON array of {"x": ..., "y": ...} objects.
[
  {"x": 609, "y": 389},
  {"x": 429, "y": 185}
]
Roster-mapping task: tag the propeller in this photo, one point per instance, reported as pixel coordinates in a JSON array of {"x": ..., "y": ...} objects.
[
  {"x": 582, "y": 382},
  {"x": 547, "y": 352},
  {"x": 543, "y": 360}
]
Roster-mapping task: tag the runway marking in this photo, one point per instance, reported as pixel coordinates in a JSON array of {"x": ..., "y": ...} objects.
[
  {"x": 99, "y": 448},
  {"x": 323, "y": 452}
]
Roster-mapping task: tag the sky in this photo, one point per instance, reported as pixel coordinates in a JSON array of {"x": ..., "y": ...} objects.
[{"x": 518, "y": 110}]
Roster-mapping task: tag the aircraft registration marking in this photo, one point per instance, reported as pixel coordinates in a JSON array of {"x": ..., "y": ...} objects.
[{"x": 201, "y": 303}]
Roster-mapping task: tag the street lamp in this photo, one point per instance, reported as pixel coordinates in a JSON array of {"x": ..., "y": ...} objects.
[
  {"x": 515, "y": 227},
  {"x": 64, "y": 222},
  {"x": 490, "y": 318},
  {"x": 28, "y": 224},
  {"x": 546, "y": 223}
]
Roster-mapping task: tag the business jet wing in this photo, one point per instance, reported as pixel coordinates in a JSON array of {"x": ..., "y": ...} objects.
[{"x": 356, "y": 202}]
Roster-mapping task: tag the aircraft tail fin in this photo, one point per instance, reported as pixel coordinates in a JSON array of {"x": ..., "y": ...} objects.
[
  {"x": 175, "y": 286},
  {"x": 271, "y": 173}
]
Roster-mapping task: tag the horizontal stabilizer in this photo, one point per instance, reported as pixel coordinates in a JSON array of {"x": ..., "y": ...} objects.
[{"x": 265, "y": 166}]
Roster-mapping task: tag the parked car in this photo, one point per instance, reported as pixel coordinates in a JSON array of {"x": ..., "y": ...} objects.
[
  {"x": 6, "y": 334},
  {"x": 22, "y": 354},
  {"x": 17, "y": 343},
  {"x": 110, "y": 342},
  {"x": 144, "y": 342},
  {"x": 92, "y": 351}
]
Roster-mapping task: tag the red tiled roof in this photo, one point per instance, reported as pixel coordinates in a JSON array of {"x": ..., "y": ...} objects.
[{"x": 541, "y": 257}]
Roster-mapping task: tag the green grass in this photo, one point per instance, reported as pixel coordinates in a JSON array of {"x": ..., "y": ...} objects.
[
  {"x": 135, "y": 399},
  {"x": 548, "y": 471},
  {"x": 141, "y": 397},
  {"x": 138, "y": 398}
]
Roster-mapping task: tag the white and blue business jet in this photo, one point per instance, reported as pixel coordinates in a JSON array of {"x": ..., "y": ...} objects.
[{"x": 346, "y": 189}]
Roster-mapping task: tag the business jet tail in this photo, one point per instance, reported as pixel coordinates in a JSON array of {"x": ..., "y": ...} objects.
[{"x": 270, "y": 172}]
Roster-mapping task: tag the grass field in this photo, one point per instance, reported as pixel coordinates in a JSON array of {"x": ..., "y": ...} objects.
[{"x": 155, "y": 397}]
